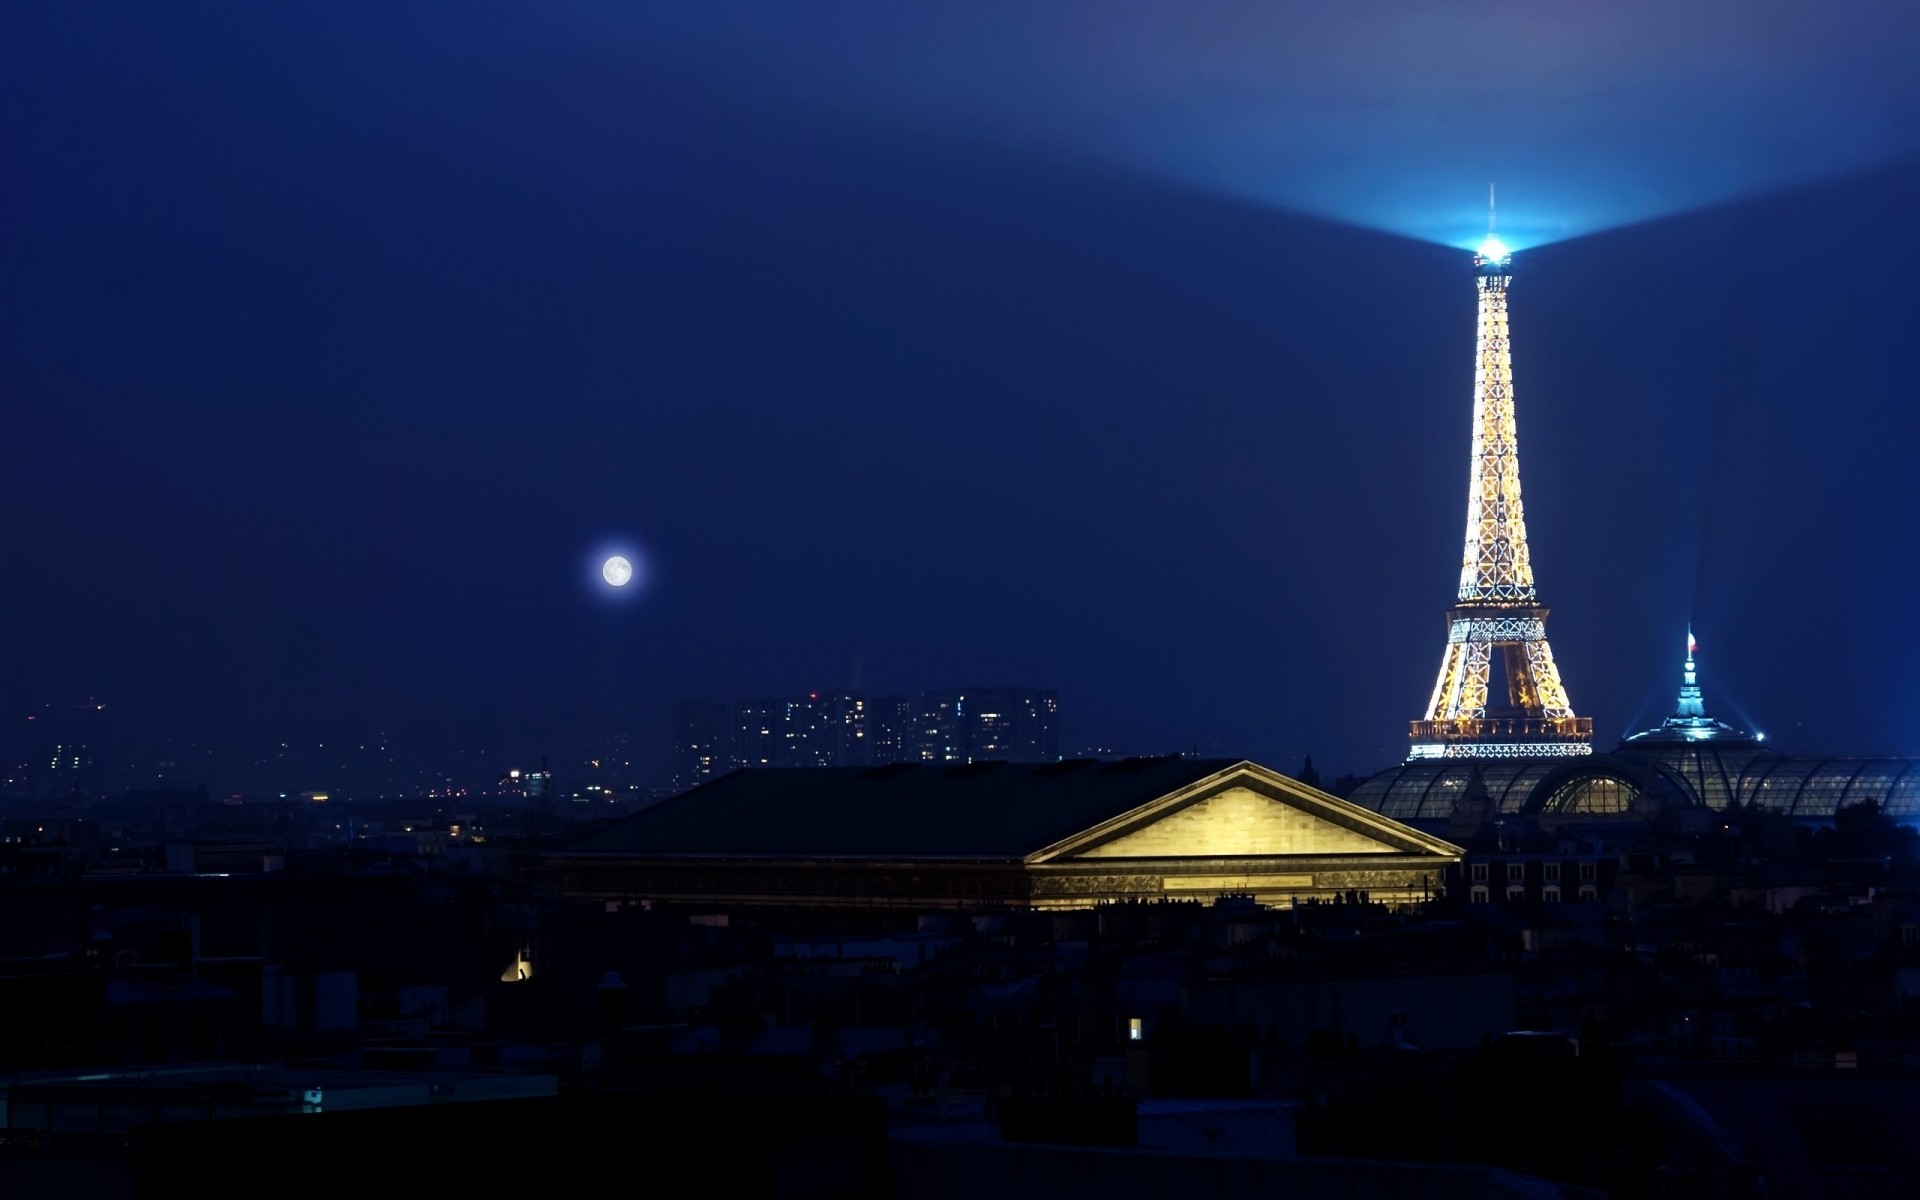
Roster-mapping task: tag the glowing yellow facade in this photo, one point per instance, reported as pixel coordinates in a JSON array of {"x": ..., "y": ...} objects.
[
  {"x": 930, "y": 836},
  {"x": 1498, "y": 609}
]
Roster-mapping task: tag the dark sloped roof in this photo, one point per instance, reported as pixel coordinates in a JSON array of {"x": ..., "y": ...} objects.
[{"x": 979, "y": 810}]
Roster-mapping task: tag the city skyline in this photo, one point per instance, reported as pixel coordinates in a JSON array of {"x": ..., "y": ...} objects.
[
  {"x": 842, "y": 599},
  {"x": 344, "y": 472},
  {"x": 73, "y": 751},
  {"x": 854, "y": 729},
  {"x": 23, "y": 750}
]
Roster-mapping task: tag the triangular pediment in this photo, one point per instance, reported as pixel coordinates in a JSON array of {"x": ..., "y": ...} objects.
[
  {"x": 1246, "y": 811},
  {"x": 1237, "y": 822}
]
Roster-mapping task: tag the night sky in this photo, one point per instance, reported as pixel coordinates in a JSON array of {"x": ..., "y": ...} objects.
[{"x": 1118, "y": 350}]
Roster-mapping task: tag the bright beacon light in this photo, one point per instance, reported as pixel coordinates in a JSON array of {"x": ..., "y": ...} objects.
[{"x": 1493, "y": 249}]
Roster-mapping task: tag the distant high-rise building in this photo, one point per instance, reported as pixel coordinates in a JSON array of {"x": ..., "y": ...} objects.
[
  {"x": 889, "y": 726},
  {"x": 821, "y": 729},
  {"x": 1015, "y": 724},
  {"x": 703, "y": 742},
  {"x": 852, "y": 735},
  {"x": 971, "y": 725},
  {"x": 72, "y": 739},
  {"x": 806, "y": 732},
  {"x": 925, "y": 727},
  {"x": 846, "y": 729},
  {"x": 757, "y": 737},
  {"x": 811, "y": 730}
]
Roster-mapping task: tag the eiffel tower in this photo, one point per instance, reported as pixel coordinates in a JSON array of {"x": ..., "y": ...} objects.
[{"x": 1498, "y": 617}]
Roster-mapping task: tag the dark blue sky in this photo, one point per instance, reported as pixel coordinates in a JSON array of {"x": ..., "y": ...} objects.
[{"x": 1115, "y": 354}]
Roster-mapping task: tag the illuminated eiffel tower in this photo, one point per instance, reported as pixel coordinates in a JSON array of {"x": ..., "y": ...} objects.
[{"x": 1498, "y": 617}]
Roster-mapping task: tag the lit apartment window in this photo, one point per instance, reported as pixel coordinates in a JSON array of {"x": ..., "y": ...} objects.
[
  {"x": 1516, "y": 872},
  {"x": 1550, "y": 894},
  {"x": 1479, "y": 872},
  {"x": 1553, "y": 872},
  {"x": 1589, "y": 872},
  {"x": 1133, "y": 1029}
]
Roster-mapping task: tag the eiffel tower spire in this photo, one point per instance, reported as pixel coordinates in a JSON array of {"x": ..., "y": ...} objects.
[{"x": 1498, "y": 614}]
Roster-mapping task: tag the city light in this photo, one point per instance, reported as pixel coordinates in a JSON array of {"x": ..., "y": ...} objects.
[{"x": 1494, "y": 250}]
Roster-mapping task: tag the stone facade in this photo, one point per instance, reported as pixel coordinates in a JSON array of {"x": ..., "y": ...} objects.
[{"x": 1247, "y": 831}]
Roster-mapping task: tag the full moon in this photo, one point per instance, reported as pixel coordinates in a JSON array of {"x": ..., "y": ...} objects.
[{"x": 616, "y": 571}]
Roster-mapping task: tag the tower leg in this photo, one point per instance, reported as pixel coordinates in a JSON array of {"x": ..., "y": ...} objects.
[
  {"x": 1550, "y": 692},
  {"x": 1461, "y": 689}
]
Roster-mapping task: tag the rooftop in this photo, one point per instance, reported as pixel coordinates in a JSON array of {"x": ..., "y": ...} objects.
[{"x": 982, "y": 810}]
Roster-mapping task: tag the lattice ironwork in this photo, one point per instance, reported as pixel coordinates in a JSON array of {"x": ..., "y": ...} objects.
[
  {"x": 1497, "y": 607},
  {"x": 1495, "y": 565},
  {"x": 1497, "y": 629},
  {"x": 1425, "y": 750}
]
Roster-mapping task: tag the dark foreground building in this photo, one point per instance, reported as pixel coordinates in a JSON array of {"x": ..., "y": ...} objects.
[{"x": 1057, "y": 835}]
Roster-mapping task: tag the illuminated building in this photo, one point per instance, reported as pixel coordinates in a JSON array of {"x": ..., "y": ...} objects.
[
  {"x": 1715, "y": 765},
  {"x": 889, "y": 725},
  {"x": 852, "y": 740},
  {"x": 823, "y": 730},
  {"x": 70, "y": 760},
  {"x": 921, "y": 728},
  {"x": 1690, "y": 722},
  {"x": 530, "y": 785},
  {"x": 846, "y": 729},
  {"x": 756, "y": 733},
  {"x": 1689, "y": 761},
  {"x": 969, "y": 725},
  {"x": 1069, "y": 834},
  {"x": 1010, "y": 724},
  {"x": 1497, "y": 629},
  {"x": 702, "y": 742},
  {"x": 806, "y": 732},
  {"x": 813, "y": 730}
]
